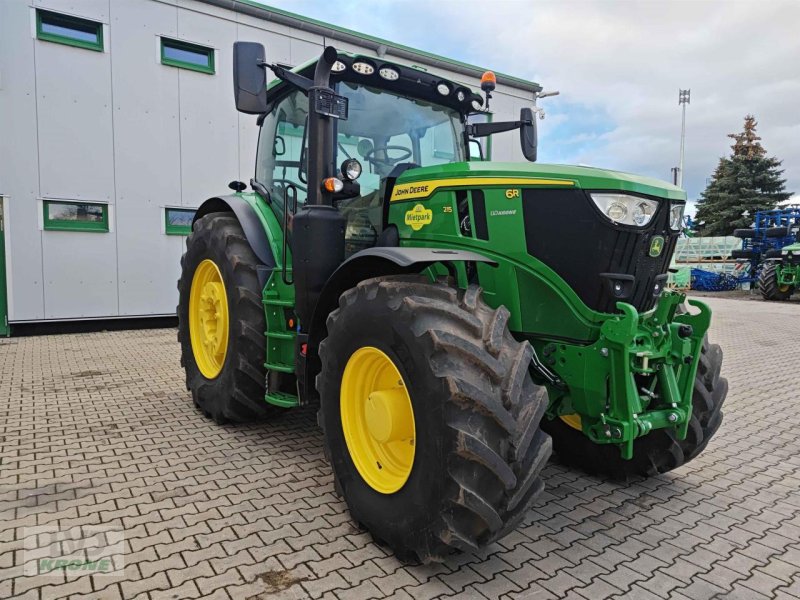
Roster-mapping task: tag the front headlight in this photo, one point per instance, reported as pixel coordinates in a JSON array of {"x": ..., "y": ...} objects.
[
  {"x": 625, "y": 209},
  {"x": 676, "y": 217}
]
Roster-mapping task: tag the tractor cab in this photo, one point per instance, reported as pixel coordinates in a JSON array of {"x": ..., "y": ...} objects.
[
  {"x": 385, "y": 133},
  {"x": 393, "y": 118}
]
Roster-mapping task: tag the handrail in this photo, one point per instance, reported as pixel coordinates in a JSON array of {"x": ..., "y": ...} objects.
[{"x": 286, "y": 227}]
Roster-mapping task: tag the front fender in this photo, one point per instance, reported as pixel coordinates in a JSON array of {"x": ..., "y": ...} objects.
[
  {"x": 374, "y": 262},
  {"x": 254, "y": 230},
  {"x": 369, "y": 263}
]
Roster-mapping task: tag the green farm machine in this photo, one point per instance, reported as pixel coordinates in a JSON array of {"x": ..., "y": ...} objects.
[
  {"x": 453, "y": 319},
  {"x": 779, "y": 277}
]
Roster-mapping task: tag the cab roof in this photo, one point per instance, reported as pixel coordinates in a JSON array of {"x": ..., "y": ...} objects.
[{"x": 410, "y": 81}]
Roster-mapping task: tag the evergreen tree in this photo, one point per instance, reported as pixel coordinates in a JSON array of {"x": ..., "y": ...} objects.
[{"x": 747, "y": 180}]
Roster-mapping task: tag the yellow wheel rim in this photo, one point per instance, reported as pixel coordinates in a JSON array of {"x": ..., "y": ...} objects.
[
  {"x": 208, "y": 319},
  {"x": 784, "y": 288},
  {"x": 377, "y": 420},
  {"x": 573, "y": 420}
]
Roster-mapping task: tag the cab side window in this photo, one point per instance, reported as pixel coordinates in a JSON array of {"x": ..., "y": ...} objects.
[
  {"x": 437, "y": 144},
  {"x": 281, "y": 160}
]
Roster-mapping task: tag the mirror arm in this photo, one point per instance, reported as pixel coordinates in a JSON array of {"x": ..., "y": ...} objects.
[
  {"x": 483, "y": 129},
  {"x": 298, "y": 81}
]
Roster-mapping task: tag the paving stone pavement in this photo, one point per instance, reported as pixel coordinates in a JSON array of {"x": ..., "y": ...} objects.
[{"x": 97, "y": 429}]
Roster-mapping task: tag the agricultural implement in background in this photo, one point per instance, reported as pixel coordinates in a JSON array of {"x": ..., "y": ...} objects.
[
  {"x": 771, "y": 231},
  {"x": 767, "y": 246},
  {"x": 448, "y": 331}
]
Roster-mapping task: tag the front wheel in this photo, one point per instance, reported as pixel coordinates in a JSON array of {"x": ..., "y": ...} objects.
[
  {"x": 769, "y": 286},
  {"x": 221, "y": 322},
  {"x": 430, "y": 416},
  {"x": 660, "y": 450}
]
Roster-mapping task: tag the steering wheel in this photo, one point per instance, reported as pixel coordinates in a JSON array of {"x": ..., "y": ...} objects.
[{"x": 368, "y": 155}]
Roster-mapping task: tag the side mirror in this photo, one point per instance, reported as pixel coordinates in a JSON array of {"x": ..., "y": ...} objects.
[
  {"x": 528, "y": 139},
  {"x": 249, "y": 77}
]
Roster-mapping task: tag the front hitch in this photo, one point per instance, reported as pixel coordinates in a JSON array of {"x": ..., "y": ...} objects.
[{"x": 637, "y": 377}]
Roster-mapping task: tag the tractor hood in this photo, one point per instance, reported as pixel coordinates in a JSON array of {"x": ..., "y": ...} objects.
[
  {"x": 588, "y": 178},
  {"x": 793, "y": 248}
]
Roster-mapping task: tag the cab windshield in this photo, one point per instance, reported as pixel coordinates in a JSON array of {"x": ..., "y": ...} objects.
[{"x": 384, "y": 129}]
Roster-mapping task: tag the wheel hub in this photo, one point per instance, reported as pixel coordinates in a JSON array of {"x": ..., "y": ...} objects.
[
  {"x": 386, "y": 415},
  {"x": 211, "y": 313},
  {"x": 208, "y": 319},
  {"x": 377, "y": 420}
]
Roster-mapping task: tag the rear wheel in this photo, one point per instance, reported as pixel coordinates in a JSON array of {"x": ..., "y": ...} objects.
[
  {"x": 769, "y": 286},
  {"x": 430, "y": 416},
  {"x": 221, "y": 322},
  {"x": 659, "y": 451}
]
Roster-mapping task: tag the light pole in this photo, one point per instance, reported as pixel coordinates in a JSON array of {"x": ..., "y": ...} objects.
[{"x": 683, "y": 100}]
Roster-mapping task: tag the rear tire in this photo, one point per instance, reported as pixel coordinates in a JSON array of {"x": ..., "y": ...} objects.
[
  {"x": 777, "y": 232},
  {"x": 478, "y": 447},
  {"x": 659, "y": 451},
  {"x": 747, "y": 233},
  {"x": 237, "y": 392},
  {"x": 768, "y": 283}
]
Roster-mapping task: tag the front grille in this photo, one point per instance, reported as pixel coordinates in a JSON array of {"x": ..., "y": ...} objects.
[{"x": 565, "y": 230}]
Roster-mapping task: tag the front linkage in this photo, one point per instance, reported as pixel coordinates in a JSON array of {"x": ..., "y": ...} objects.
[{"x": 637, "y": 377}]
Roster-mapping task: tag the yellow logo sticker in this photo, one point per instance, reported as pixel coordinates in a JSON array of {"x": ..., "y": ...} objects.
[
  {"x": 422, "y": 189},
  {"x": 409, "y": 191},
  {"x": 418, "y": 217},
  {"x": 656, "y": 246}
]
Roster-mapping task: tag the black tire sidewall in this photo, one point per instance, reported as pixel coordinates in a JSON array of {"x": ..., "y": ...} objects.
[
  {"x": 205, "y": 243},
  {"x": 412, "y": 508},
  {"x": 768, "y": 283}
]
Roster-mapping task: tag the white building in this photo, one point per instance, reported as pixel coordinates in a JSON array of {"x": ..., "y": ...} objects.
[{"x": 117, "y": 120}]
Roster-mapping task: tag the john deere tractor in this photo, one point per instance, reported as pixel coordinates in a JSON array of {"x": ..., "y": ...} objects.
[
  {"x": 453, "y": 319},
  {"x": 780, "y": 272}
]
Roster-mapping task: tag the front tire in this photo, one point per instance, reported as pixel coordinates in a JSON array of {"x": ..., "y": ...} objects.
[
  {"x": 477, "y": 447},
  {"x": 659, "y": 451},
  {"x": 221, "y": 322},
  {"x": 769, "y": 286}
]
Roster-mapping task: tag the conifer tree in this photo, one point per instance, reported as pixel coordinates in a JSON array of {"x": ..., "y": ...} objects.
[{"x": 746, "y": 181}]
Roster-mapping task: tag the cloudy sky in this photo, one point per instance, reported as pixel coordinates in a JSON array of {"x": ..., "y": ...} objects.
[{"x": 619, "y": 65}]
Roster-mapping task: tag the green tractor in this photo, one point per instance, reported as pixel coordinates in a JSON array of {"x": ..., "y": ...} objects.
[
  {"x": 780, "y": 273},
  {"x": 453, "y": 319}
]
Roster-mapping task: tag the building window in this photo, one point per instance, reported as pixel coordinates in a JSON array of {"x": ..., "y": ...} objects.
[
  {"x": 187, "y": 56},
  {"x": 178, "y": 221},
  {"x": 75, "y": 216},
  {"x": 66, "y": 29}
]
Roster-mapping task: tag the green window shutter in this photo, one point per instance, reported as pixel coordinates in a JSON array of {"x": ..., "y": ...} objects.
[
  {"x": 178, "y": 221},
  {"x": 69, "y": 30},
  {"x": 184, "y": 55},
  {"x": 67, "y": 215}
]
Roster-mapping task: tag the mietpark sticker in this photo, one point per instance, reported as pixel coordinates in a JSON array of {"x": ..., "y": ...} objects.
[{"x": 418, "y": 217}]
